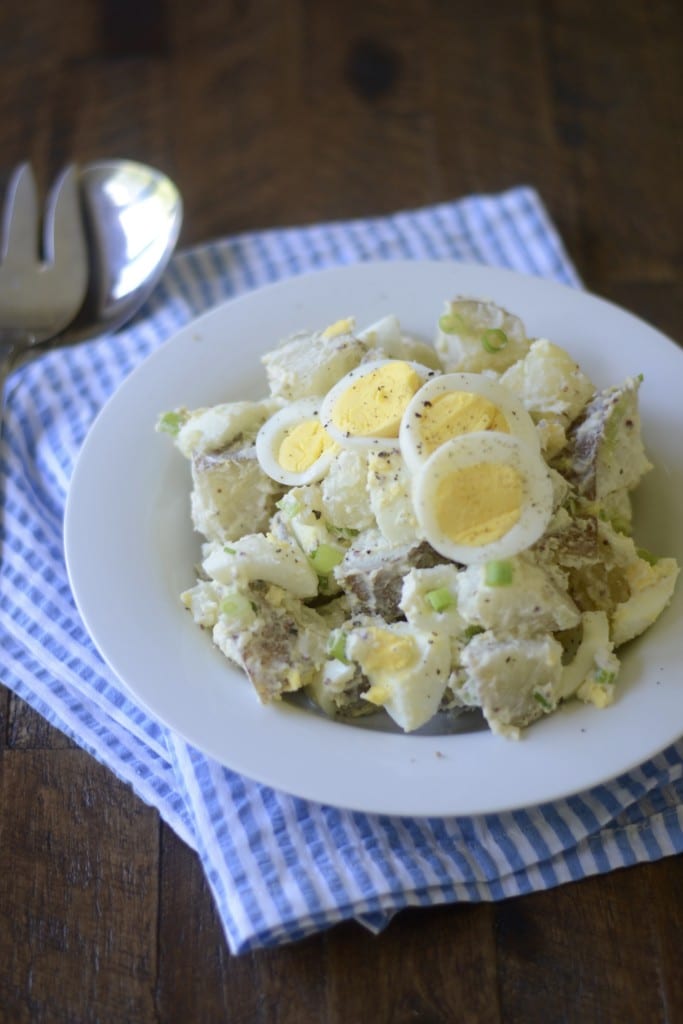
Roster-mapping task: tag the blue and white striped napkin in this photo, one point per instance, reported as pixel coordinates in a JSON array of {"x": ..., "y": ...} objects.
[{"x": 281, "y": 867}]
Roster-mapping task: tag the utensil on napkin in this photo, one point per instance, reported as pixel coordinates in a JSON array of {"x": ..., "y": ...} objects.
[
  {"x": 129, "y": 217},
  {"x": 109, "y": 230},
  {"x": 282, "y": 867},
  {"x": 43, "y": 287}
]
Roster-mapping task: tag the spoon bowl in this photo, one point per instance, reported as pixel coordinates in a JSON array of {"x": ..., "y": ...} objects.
[{"x": 133, "y": 214}]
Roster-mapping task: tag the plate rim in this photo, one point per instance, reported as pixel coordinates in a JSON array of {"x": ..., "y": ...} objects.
[{"x": 419, "y": 751}]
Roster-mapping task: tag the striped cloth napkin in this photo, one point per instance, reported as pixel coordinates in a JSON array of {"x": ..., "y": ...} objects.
[{"x": 281, "y": 867}]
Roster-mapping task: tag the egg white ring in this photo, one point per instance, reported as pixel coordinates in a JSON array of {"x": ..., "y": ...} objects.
[
  {"x": 362, "y": 442},
  {"x": 270, "y": 437},
  {"x": 519, "y": 421},
  {"x": 485, "y": 446}
]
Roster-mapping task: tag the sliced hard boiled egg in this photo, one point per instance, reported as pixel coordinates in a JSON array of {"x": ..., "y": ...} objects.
[
  {"x": 483, "y": 496},
  {"x": 454, "y": 404},
  {"x": 364, "y": 408},
  {"x": 293, "y": 447}
]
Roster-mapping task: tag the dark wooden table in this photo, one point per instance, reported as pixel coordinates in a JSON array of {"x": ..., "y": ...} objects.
[{"x": 276, "y": 113}]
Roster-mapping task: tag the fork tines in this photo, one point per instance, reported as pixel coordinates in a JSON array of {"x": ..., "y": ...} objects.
[{"x": 42, "y": 286}]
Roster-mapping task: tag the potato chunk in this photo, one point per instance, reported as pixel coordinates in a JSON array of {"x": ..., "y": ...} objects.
[
  {"x": 605, "y": 451},
  {"x": 231, "y": 495}
]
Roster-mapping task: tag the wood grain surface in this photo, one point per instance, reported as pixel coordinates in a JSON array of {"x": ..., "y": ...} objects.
[{"x": 278, "y": 113}]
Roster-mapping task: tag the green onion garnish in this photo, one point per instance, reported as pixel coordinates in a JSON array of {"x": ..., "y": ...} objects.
[
  {"x": 622, "y": 526},
  {"x": 348, "y": 532},
  {"x": 543, "y": 701},
  {"x": 440, "y": 599},
  {"x": 170, "y": 423},
  {"x": 452, "y": 323},
  {"x": 236, "y": 606},
  {"x": 498, "y": 574},
  {"x": 288, "y": 505},
  {"x": 325, "y": 557},
  {"x": 229, "y": 550},
  {"x": 336, "y": 645},
  {"x": 494, "y": 339},
  {"x": 647, "y": 556},
  {"x": 604, "y": 676},
  {"x": 473, "y": 631}
]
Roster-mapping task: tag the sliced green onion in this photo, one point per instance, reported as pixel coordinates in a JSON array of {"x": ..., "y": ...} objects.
[
  {"x": 236, "y": 606},
  {"x": 603, "y": 675},
  {"x": 622, "y": 526},
  {"x": 336, "y": 645},
  {"x": 498, "y": 574},
  {"x": 473, "y": 631},
  {"x": 289, "y": 505},
  {"x": 452, "y": 323},
  {"x": 543, "y": 701},
  {"x": 440, "y": 599},
  {"x": 494, "y": 339},
  {"x": 325, "y": 557},
  {"x": 171, "y": 422},
  {"x": 229, "y": 551},
  {"x": 348, "y": 532},
  {"x": 647, "y": 556}
]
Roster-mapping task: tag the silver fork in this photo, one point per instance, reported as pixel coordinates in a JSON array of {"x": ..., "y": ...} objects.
[{"x": 41, "y": 288}]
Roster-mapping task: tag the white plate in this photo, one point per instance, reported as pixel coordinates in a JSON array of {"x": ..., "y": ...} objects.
[{"x": 131, "y": 550}]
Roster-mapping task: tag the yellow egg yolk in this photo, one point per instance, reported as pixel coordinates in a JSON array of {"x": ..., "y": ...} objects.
[
  {"x": 479, "y": 504},
  {"x": 372, "y": 406},
  {"x": 385, "y": 655},
  {"x": 302, "y": 447},
  {"x": 339, "y": 327},
  {"x": 455, "y": 413}
]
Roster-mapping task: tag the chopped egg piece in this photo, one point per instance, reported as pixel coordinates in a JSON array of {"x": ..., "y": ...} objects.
[
  {"x": 386, "y": 336},
  {"x": 651, "y": 588},
  {"x": 339, "y": 327},
  {"x": 258, "y": 557},
  {"x": 407, "y": 669}
]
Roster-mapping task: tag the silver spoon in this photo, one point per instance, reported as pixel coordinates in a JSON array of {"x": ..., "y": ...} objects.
[{"x": 133, "y": 215}]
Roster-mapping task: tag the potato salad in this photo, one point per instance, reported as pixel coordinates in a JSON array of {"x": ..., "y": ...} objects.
[{"x": 418, "y": 529}]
